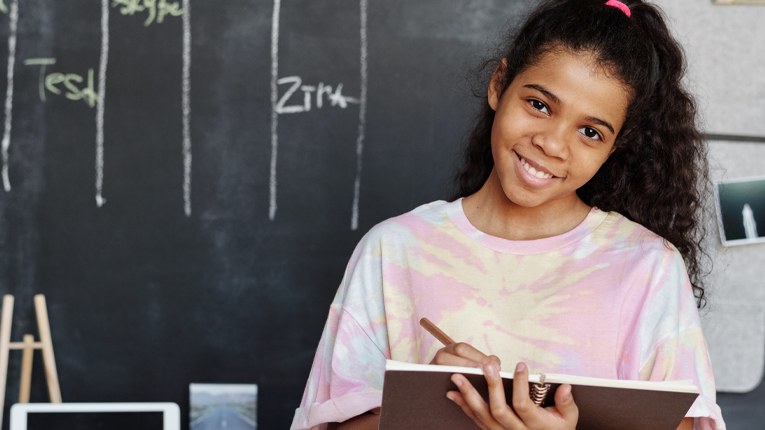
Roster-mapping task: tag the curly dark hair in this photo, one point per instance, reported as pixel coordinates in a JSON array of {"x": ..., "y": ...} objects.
[{"x": 658, "y": 173}]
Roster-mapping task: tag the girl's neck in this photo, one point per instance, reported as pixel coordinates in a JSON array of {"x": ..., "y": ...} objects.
[{"x": 491, "y": 212}]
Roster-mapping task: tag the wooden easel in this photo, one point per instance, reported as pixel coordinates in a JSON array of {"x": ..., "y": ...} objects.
[{"x": 28, "y": 346}]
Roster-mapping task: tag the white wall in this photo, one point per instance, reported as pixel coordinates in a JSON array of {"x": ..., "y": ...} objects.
[{"x": 724, "y": 44}]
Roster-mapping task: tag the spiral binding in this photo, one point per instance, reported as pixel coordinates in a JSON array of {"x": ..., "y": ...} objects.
[{"x": 539, "y": 391}]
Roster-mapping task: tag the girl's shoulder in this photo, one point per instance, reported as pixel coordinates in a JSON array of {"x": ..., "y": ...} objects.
[
  {"x": 429, "y": 215},
  {"x": 395, "y": 237},
  {"x": 625, "y": 233},
  {"x": 647, "y": 255}
]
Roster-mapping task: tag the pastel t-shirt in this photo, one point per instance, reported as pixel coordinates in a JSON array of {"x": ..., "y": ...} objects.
[{"x": 608, "y": 299}]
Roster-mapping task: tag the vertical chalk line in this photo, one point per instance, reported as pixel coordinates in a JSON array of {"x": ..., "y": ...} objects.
[
  {"x": 100, "y": 108},
  {"x": 274, "y": 113},
  {"x": 362, "y": 117},
  {"x": 14, "y": 20},
  {"x": 186, "y": 108}
]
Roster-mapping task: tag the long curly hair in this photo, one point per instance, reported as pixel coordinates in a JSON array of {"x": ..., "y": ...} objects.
[{"x": 658, "y": 174}]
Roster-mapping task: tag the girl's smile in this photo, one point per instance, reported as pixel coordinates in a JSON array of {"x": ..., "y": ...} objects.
[{"x": 532, "y": 172}]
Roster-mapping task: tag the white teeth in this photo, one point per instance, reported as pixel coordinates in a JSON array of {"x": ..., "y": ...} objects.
[{"x": 539, "y": 174}]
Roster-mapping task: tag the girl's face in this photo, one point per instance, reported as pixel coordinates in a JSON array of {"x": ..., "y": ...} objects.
[{"x": 555, "y": 125}]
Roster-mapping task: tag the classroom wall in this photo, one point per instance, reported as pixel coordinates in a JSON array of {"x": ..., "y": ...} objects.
[{"x": 725, "y": 58}]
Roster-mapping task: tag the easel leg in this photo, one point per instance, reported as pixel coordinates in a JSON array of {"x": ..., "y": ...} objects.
[
  {"x": 5, "y": 340},
  {"x": 47, "y": 349},
  {"x": 26, "y": 368}
]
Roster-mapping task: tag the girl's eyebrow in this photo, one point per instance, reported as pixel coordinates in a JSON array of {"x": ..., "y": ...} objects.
[
  {"x": 556, "y": 100},
  {"x": 544, "y": 91},
  {"x": 600, "y": 122}
]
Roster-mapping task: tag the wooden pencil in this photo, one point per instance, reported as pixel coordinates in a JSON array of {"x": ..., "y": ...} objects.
[{"x": 436, "y": 332}]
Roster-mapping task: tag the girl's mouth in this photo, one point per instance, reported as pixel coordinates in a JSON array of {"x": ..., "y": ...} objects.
[
  {"x": 531, "y": 175},
  {"x": 538, "y": 173}
]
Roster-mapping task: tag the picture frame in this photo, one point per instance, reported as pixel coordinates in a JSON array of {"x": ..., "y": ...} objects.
[
  {"x": 223, "y": 406},
  {"x": 22, "y": 413},
  {"x": 740, "y": 205}
]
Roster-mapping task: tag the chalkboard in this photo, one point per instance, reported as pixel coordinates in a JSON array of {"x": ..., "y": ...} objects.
[{"x": 185, "y": 180}]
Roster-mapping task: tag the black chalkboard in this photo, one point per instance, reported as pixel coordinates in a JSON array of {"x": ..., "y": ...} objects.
[{"x": 180, "y": 247}]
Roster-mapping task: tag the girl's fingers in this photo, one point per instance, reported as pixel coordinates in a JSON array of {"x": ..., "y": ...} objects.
[
  {"x": 457, "y": 398},
  {"x": 564, "y": 403},
  {"x": 497, "y": 401},
  {"x": 446, "y": 359},
  {"x": 496, "y": 359},
  {"x": 465, "y": 350},
  {"x": 526, "y": 410},
  {"x": 462, "y": 354},
  {"x": 475, "y": 402}
]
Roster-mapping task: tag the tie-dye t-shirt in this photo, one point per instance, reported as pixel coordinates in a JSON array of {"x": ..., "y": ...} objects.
[{"x": 608, "y": 299}]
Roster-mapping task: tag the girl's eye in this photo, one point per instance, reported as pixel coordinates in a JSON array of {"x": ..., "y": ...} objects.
[
  {"x": 590, "y": 133},
  {"x": 536, "y": 104}
]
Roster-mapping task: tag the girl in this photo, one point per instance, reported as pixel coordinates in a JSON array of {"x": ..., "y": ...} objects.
[{"x": 572, "y": 244}]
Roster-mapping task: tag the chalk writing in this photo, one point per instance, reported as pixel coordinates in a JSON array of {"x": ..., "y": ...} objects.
[
  {"x": 362, "y": 116},
  {"x": 43, "y": 63},
  {"x": 13, "y": 19},
  {"x": 88, "y": 94},
  {"x": 274, "y": 113},
  {"x": 279, "y": 105},
  {"x": 103, "y": 63},
  {"x": 157, "y": 9},
  {"x": 53, "y": 80},
  {"x": 186, "y": 103},
  {"x": 336, "y": 98}
]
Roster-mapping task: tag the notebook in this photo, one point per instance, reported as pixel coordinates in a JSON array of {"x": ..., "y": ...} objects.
[{"x": 414, "y": 397}]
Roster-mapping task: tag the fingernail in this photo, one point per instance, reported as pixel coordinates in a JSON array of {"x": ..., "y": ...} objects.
[
  {"x": 496, "y": 365},
  {"x": 567, "y": 393},
  {"x": 450, "y": 396},
  {"x": 490, "y": 370},
  {"x": 520, "y": 368},
  {"x": 457, "y": 382}
]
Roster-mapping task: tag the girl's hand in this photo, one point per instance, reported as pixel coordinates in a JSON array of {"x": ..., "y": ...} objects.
[
  {"x": 524, "y": 415},
  {"x": 462, "y": 354}
]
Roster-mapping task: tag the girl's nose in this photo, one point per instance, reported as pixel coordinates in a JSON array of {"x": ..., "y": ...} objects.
[{"x": 553, "y": 141}]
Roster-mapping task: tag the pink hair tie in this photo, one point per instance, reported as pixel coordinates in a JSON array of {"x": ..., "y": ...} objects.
[{"x": 623, "y": 7}]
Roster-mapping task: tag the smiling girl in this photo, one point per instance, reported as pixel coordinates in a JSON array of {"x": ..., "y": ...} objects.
[{"x": 571, "y": 245}]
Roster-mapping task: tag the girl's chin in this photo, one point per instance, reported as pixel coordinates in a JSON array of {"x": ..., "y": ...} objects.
[
  {"x": 535, "y": 198},
  {"x": 526, "y": 199}
]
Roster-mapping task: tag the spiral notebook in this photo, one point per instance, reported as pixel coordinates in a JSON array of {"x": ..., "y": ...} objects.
[{"x": 414, "y": 398}]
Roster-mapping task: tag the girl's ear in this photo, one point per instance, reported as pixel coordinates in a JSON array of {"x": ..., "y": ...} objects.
[{"x": 495, "y": 86}]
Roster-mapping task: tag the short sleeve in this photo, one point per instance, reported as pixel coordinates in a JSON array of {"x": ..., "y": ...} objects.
[
  {"x": 663, "y": 339},
  {"x": 686, "y": 357},
  {"x": 347, "y": 374}
]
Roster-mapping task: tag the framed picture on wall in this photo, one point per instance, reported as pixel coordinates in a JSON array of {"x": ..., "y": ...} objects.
[
  {"x": 223, "y": 406},
  {"x": 741, "y": 210}
]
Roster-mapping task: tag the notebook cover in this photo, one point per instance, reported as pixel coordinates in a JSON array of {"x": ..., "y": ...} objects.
[{"x": 414, "y": 400}]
